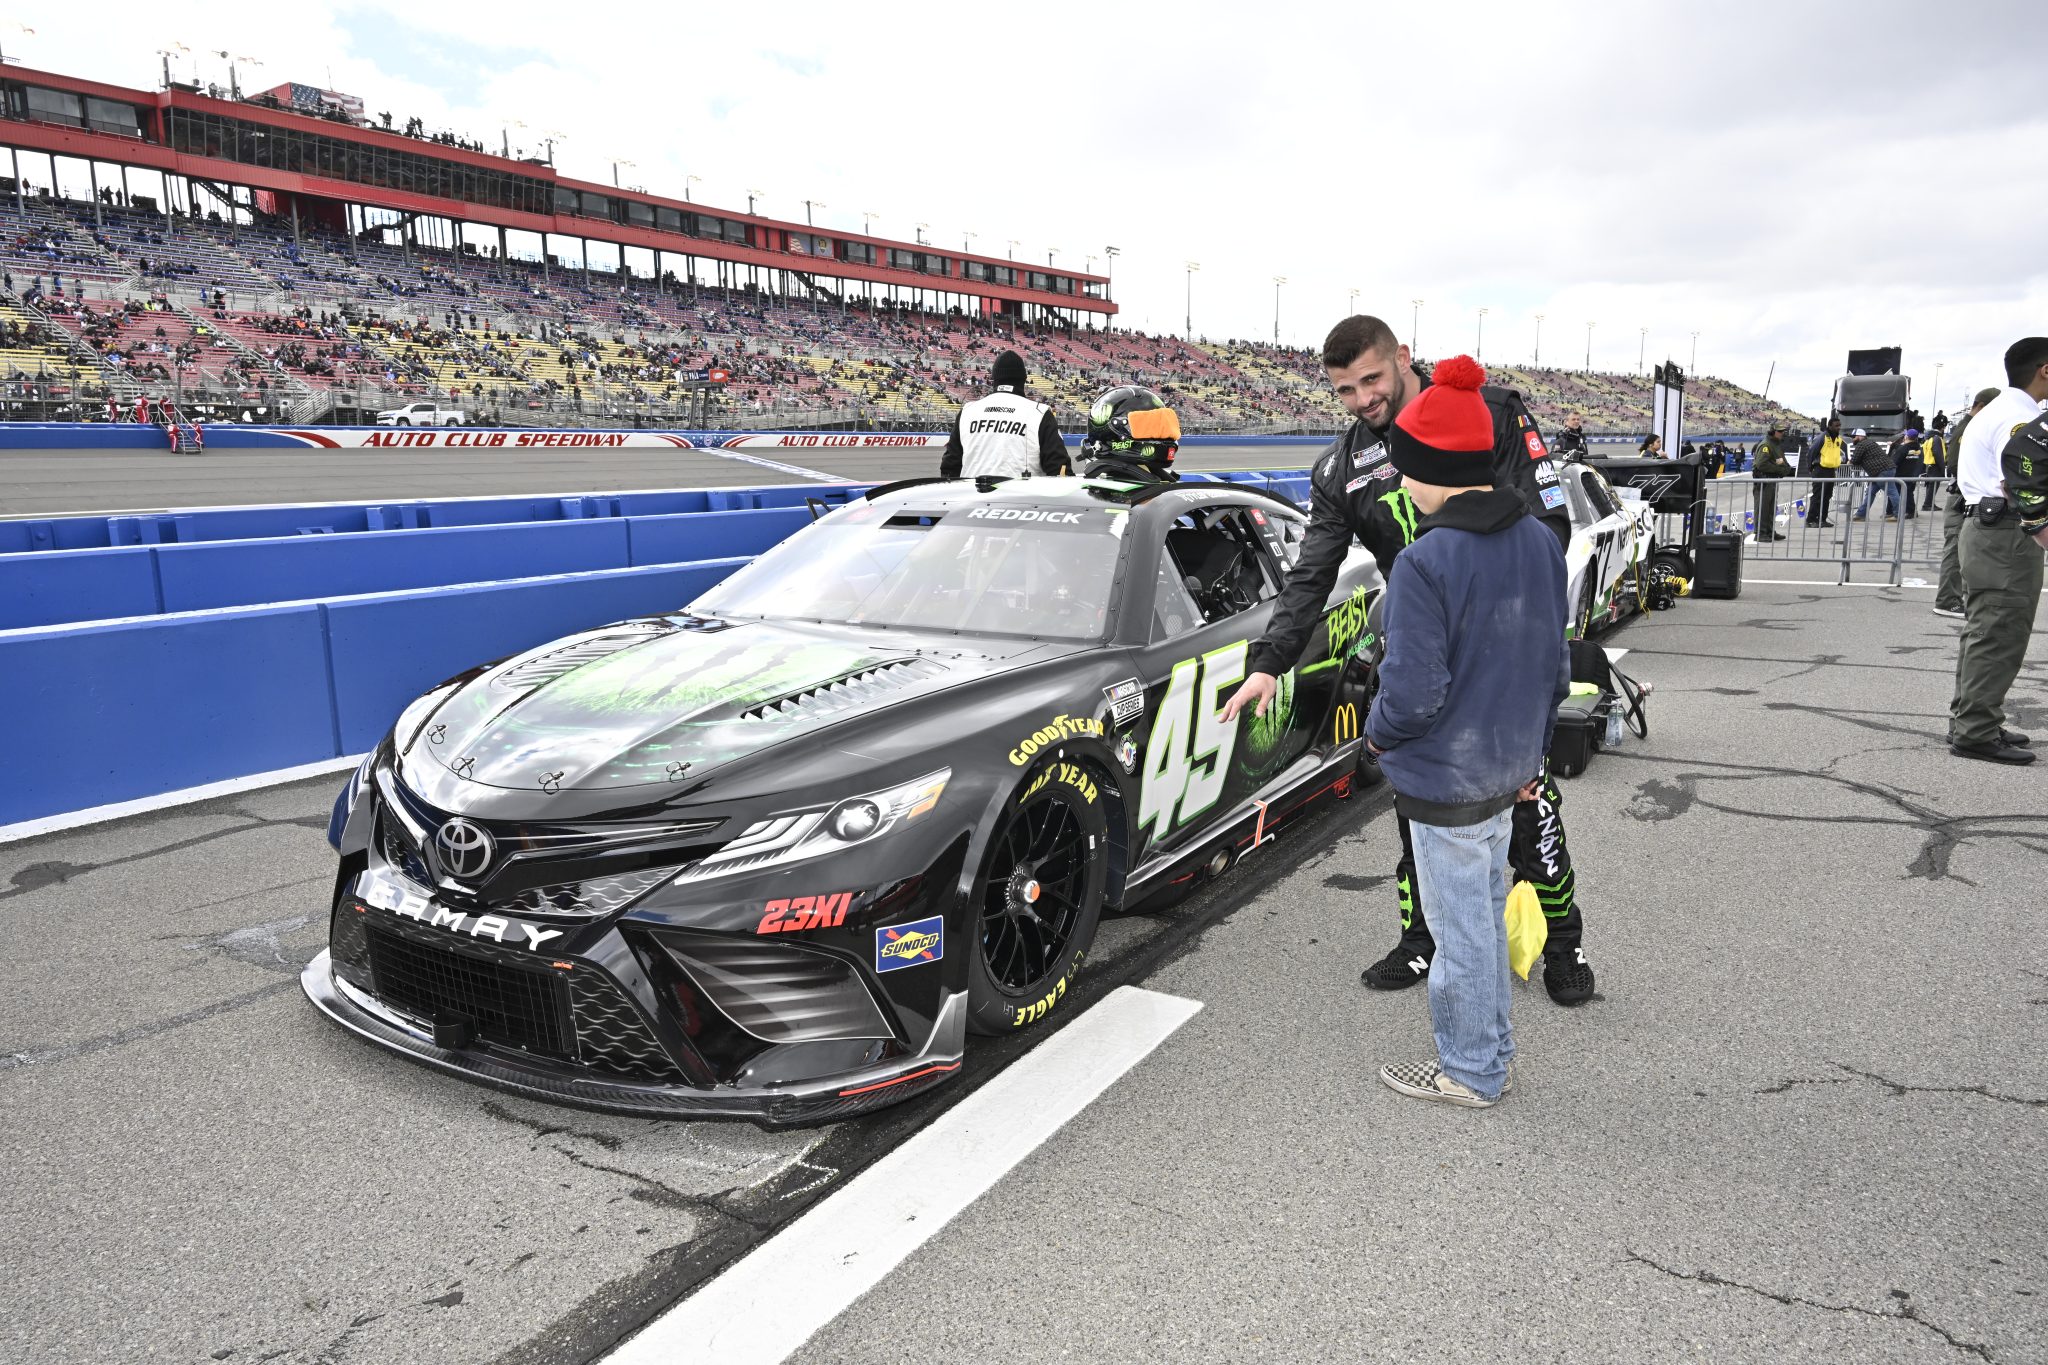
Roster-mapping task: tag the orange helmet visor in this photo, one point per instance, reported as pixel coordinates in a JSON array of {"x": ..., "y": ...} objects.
[{"x": 1155, "y": 424}]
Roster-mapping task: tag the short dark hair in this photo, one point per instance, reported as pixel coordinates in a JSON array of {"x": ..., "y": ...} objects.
[
  {"x": 1355, "y": 336},
  {"x": 2023, "y": 357}
]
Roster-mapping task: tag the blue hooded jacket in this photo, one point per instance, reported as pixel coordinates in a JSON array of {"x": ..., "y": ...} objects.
[{"x": 1476, "y": 660}]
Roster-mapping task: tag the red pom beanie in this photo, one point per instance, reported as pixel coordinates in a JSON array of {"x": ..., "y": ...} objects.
[{"x": 1445, "y": 434}]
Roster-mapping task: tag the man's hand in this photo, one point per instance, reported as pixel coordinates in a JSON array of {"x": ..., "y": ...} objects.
[
  {"x": 2041, "y": 537},
  {"x": 1260, "y": 688},
  {"x": 1530, "y": 792}
]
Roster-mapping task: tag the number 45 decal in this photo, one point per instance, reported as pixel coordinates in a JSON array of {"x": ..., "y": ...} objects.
[{"x": 1188, "y": 755}]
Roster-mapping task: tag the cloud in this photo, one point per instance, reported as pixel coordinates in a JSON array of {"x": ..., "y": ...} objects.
[{"x": 1789, "y": 181}]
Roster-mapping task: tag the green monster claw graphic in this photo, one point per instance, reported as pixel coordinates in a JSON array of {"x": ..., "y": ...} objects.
[{"x": 1269, "y": 730}]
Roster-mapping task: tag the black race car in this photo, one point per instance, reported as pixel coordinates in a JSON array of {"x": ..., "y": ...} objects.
[{"x": 775, "y": 856}]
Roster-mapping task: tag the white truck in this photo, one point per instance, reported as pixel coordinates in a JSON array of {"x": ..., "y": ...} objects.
[{"x": 428, "y": 414}]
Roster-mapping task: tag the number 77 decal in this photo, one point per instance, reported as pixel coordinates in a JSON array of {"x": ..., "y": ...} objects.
[{"x": 1188, "y": 755}]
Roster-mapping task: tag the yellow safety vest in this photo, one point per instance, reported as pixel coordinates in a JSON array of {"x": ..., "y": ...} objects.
[{"x": 1830, "y": 452}]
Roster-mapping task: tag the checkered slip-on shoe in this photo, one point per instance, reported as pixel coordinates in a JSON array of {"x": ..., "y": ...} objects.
[{"x": 1427, "y": 1081}]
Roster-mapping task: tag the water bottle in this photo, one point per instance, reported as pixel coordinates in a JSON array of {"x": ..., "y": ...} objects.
[{"x": 1614, "y": 726}]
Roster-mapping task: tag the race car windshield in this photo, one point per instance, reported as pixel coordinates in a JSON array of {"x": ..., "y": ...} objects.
[{"x": 1037, "y": 571}]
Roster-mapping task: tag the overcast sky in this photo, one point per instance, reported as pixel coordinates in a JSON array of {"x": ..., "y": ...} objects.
[{"x": 1789, "y": 180}]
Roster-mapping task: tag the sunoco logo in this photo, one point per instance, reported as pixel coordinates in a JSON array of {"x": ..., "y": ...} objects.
[{"x": 464, "y": 848}]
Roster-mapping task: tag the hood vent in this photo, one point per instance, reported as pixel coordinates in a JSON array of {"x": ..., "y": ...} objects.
[
  {"x": 545, "y": 668},
  {"x": 847, "y": 691}
]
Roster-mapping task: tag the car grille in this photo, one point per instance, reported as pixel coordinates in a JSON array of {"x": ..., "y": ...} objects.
[
  {"x": 513, "y": 1008},
  {"x": 580, "y": 1015},
  {"x": 400, "y": 853},
  {"x": 592, "y": 899}
]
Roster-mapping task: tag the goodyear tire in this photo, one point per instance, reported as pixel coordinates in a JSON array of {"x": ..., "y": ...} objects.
[{"x": 1037, "y": 899}]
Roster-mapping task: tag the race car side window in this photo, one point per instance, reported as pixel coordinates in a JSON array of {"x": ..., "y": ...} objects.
[
  {"x": 1173, "y": 610},
  {"x": 1599, "y": 495},
  {"x": 1583, "y": 514},
  {"x": 1221, "y": 562}
]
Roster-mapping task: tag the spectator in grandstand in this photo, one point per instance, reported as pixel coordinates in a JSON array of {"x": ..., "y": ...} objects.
[
  {"x": 1948, "y": 592},
  {"x": 1771, "y": 465},
  {"x": 1874, "y": 458},
  {"x": 1005, "y": 432},
  {"x": 1825, "y": 456}
]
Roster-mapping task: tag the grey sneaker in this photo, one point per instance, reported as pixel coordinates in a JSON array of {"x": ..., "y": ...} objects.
[
  {"x": 1427, "y": 1081},
  {"x": 1956, "y": 612}
]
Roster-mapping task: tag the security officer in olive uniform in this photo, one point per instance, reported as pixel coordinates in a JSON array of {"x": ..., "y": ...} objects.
[
  {"x": 2001, "y": 472},
  {"x": 1770, "y": 464},
  {"x": 1948, "y": 593}
]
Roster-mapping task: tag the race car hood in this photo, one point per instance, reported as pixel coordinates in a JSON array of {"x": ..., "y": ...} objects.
[{"x": 655, "y": 703}]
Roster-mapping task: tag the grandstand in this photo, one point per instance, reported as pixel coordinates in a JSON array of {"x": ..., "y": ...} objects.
[{"x": 323, "y": 283}]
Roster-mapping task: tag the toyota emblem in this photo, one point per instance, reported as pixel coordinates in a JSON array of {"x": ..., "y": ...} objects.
[{"x": 464, "y": 848}]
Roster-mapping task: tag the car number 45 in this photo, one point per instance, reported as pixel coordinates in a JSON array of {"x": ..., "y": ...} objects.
[{"x": 1188, "y": 755}]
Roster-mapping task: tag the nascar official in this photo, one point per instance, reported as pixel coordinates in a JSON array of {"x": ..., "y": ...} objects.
[
  {"x": 1005, "y": 433},
  {"x": 1355, "y": 490}
]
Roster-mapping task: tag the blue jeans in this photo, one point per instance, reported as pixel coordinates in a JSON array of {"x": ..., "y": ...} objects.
[
  {"x": 1891, "y": 497},
  {"x": 1464, "y": 876}
]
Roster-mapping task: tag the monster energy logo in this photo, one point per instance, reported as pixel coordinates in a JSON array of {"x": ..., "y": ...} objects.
[
  {"x": 1267, "y": 731},
  {"x": 1347, "y": 623},
  {"x": 1403, "y": 507}
]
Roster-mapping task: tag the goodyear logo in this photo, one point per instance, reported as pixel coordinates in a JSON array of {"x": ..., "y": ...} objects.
[
  {"x": 906, "y": 945},
  {"x": 1345, "y": 728},
  {"x": 1052, "y": 732}
]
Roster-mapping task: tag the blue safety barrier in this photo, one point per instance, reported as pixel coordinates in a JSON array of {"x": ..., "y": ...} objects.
[
  {"x": 111, "y": 712},
  {"x": 94, "y": 585},
  {"x": 188, "y": 526}
]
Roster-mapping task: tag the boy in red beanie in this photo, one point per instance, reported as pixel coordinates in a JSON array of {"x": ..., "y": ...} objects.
[{"x": 1476, "y": 665}]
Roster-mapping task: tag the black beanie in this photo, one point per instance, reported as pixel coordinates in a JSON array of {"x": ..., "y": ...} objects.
[{"x": 1008, "y": 371}]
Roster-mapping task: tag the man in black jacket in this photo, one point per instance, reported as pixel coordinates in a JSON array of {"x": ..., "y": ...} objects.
[{"x": 1355, "y": 491}]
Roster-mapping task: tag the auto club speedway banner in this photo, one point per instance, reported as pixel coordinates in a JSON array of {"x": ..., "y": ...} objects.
[{"x": 381, "y": 438}]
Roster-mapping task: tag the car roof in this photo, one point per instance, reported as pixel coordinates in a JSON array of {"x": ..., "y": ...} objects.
[{"x": 1170, "y": 498}]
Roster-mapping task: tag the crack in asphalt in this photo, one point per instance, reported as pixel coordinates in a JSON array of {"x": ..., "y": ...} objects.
[
  {"x": 652, "y": 1191},
  {"x": 37, "y": 876},
  {"x": 1658, "y": 800},
  {"x": 1900, "y": 1089},
  {"x": 136, "y": 1033},
  {"x": 257, "y": 945},
  {"x": 1903, "y": 1312}
]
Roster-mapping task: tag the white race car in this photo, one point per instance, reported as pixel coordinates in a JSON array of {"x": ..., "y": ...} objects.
[{"x": 1614, "y": 541}]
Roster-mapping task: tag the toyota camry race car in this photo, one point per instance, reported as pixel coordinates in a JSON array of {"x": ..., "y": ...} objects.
[
  {"x": 778, "y": 854},
  {"x": 1613, "y": 549}
]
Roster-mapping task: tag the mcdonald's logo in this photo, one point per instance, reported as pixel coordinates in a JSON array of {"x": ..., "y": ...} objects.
[{"x": 1346, "y": 727}]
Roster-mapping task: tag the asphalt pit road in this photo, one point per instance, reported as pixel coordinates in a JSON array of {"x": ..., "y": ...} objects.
[
  {"x": 1658, "y": 800},
  {"x": 1352, "y": 881},
  {"x": 36, "y": 876},
  {"x": 448, "y": 1300}
]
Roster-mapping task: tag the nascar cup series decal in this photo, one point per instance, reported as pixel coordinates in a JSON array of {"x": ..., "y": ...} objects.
[{"x": 906, "y": 945}]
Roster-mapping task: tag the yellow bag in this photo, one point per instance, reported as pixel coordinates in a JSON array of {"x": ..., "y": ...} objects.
[
  {"x": 1527, "y": 929},
  {"x": 1830, "y": 454}
]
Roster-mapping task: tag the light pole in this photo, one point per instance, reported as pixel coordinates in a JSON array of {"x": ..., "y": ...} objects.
[
  {"x": 919, "y": 231},
  {"x": 1537, "y": 363},
  {"x": 1589, "y": 348},
  {"x": 1050, "y": 252},
  {"x": 752, "y": 195},
  {"x": 1479, "y": 348},
  {"x": 867, "y": 223},
  {"x": 1189, "y": 331},
  {"x": 1692, "y": 361},
  {"x": 1109, "y": 255},
  {"x": 809, "y": 205},
  {"x": 1010, "y": 249},
  {"x": 616, "y": 163},
  {"x": 1278, "y": 280},
  {"x": 688, "y": 181},
  {"x": 1935, "y": 402},
  {"x": 1414, "y": 323},
  {"x": 1350, "y": 303},
  {"x": 967, "y": 240},
  {"x": 1642, "y": 342}
]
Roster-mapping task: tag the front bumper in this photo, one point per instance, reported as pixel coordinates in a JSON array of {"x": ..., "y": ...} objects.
[{"x": 808, "y": 1102}]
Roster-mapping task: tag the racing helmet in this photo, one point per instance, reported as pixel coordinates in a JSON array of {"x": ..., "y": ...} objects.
[{"x": 1132, "y": 425}]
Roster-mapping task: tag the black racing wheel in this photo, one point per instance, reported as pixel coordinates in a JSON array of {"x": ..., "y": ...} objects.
[{"x": 1038, "y": 898}]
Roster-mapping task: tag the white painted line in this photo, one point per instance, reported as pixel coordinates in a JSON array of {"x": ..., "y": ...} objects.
[
  {"x": 1826, "y": 583},
  {"x": 93, "y": 815},
  {"x": 774, "y": 464},
  {"x": 770, "y": 1303}
]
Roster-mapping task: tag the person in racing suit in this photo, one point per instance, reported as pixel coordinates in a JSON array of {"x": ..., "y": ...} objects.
[
  {"x": 1570, "y": 441},
  {"x": 1355, "y": 491},
  {"x": 1005, "y": 433},
  {"x": 1132, "y": 437}
]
